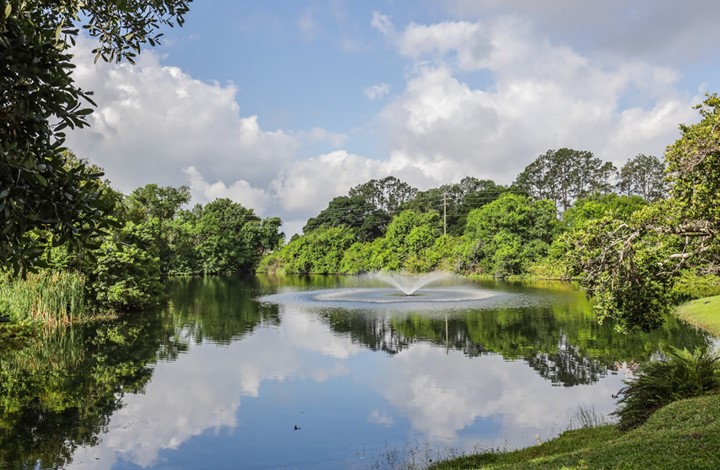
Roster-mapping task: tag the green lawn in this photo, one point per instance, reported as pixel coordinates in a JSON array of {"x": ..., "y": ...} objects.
[
  {"x": 704, "y": 313},
  {"x": 682, "y": 435}
]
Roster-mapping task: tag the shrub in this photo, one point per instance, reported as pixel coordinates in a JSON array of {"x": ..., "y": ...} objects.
[{"x": 681, "y": 374}]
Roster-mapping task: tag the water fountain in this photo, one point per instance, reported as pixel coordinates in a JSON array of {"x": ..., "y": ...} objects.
[
  {"x": 409, "y": 284},
  {"x": 392, "y": 290}
]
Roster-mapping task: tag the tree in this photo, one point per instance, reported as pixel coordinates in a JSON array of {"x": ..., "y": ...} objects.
[
  {"x": 40, "y": 190},
  {"x": 627, "y": 266},
  {"x": 387, "y": 194},
  {"x": 320, "y": 251},
  {"x": 152, "y": 202},
  {"x": 355, "y": 212},
  {"x": 507, "y": 235},
  {"x": 644, "y": 176},
  {"x": 455, "y": 201},
  {"x": 564, "y": 175},
  {"x": 232, "y": 239}
]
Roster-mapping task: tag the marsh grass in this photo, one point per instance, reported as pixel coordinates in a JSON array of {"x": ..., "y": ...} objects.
[
  {"x": 53, "y": 298},
  {"x": 587, "y": 417}
]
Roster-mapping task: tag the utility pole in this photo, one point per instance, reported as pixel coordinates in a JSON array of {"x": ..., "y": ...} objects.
[{"x": 444, "y": 213}]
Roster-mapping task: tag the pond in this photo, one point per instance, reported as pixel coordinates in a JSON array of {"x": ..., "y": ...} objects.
[{"x": 304, "y": 372}]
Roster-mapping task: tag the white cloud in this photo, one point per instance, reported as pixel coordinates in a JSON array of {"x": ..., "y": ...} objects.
[
  {"x": 537, "y": 96},
  {"x": 153, "y": 120},
  {"x": 240, "y": 191},
  {"x": 377, "y": 91}
]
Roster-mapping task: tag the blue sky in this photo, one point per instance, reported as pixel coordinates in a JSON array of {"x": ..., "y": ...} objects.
[{"x": 283, "y": 105}]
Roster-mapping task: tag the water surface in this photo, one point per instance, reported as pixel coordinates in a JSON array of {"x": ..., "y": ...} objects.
[{"x": 264, "y": 372}]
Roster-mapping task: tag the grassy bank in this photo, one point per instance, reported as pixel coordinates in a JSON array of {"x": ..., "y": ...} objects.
[
  {"x": 703, "y": 313},
  {"x": 682, "y": 435}
]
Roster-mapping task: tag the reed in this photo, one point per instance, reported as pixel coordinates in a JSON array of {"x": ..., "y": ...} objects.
[{"x": 53, "y": 298}]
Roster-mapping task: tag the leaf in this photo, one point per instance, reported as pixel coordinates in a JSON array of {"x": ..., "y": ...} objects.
[{"x": 8, "y": 10}]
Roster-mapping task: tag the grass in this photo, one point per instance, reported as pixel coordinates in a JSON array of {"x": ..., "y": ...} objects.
[
  {"x": 48, "y": 297},
  {"x": 682, "y": 435},
  {"x": 703, "y": 313}
]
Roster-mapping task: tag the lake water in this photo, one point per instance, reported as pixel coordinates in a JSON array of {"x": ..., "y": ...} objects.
[{"x": 305, "y": 372}]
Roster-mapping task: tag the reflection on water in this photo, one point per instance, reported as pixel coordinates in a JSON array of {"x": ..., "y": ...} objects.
[{"x": 224, "y": 377}]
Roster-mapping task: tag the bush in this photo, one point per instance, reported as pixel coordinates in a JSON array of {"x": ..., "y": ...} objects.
[
  {"x": 682, "y": 374},
  {"x": 692, "y": 285}
]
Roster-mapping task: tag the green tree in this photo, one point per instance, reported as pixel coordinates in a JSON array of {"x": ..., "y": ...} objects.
[
  {"x": 39, "y": 189},
  {"x": 644, "y": 176},
  {"x": 694, "y": 168},
  {"x": 126, "y": 273},
  {"x": 153, "y": 202},
  {"x": 409, "y": 237},
  {"x": 387, "y": 194},
  {"x": 232, "y": 239},
  {"x": 504, "y": 237},
  {"x": 355, "y": 212},
  {"x": 320, "y": 251},
  {"x": 455, "y": 201},
  {"x": 564, "y": 175}
]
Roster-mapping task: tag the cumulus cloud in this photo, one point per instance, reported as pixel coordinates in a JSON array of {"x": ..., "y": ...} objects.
[
  {"x": 539, "y": 96},
  {"x": 153, "y": 120},
  {"x": 655, "y": 30}
]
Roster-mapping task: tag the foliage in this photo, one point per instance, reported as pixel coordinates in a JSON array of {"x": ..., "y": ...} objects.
[
  {"x": 644, "y": 176},
  {"x": 387, "y": 194},
  {"x": 41, "y": 188},
  {"x": 564, "y": 175},
  {"x": 232, "y": 239},
  {"x": 154, "y": 203},
  {"x": 355, "y": 212},
  {"x": 126, "y": 275},
  {"x": 320, "y": 251},
  {"x": 596, "y": 206},
  {"x": 693, "y": 285},
  {"x": 694, "y": 168},
  {"x": 682, "y": 374},
  {"x": 694, "y": 164},
  {"x": 506, "y": 236},
  {"x": 626, "y": 266},
  {"x": 409, "y": 237},
  {"x": 455, "y": 201},
  {"x": 46, "y": 296}
]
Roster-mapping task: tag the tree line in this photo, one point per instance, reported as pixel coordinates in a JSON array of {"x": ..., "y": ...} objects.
[
  {"x": 637, "y": 239},
  {"x": 634, "y": 237}
]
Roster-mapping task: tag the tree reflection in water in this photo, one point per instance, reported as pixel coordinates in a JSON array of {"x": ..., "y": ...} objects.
[{"x": 59, "y": 393}]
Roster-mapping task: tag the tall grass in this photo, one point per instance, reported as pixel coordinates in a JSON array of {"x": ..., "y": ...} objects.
[{"x": 53, "y": 298}]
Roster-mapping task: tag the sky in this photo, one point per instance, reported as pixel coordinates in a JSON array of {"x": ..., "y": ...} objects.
[{"x": 283, "y": 105}]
